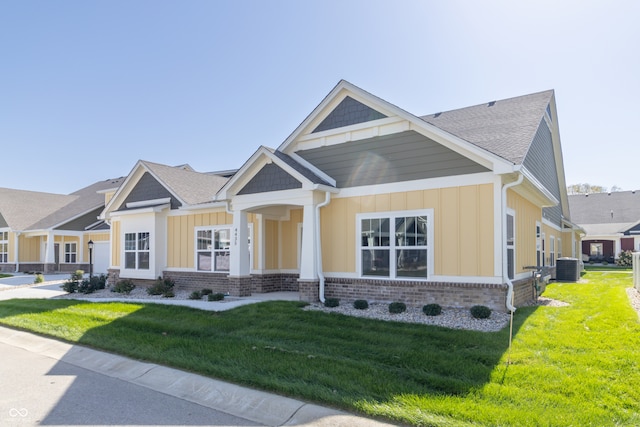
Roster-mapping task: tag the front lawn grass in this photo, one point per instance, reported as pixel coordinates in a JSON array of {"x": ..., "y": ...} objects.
[{"x": 575, "y": 365}]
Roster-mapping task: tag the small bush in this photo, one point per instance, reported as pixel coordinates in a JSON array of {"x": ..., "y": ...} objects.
[
  {"x": 206, "y": 292},
  {"x": 77, "y": 275},
  {"x": 162, "y": 287},
  {"x": 124, "y": 287},
  {"x": 331, "y": 302},
  {"x": 92, "y": 284},
  {"x": 360, "y": 304},
  {"x": 195, "y": 295},
  {"x": 38, "y": 279},
  {"x": 432, "y": 309},
  {"x": 625, "y": 259},
  {"x": 70, "y": 286},
  {"x": 480, "y": 312},
  {"x": 216, "y": 297},
  {"x": 397, "y": 307}
]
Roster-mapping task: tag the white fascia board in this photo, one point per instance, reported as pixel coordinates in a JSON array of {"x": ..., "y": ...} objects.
[
  {"x": 297, "y": 197},
  {"x": 420, "y": 184},
  {"x": 152, "y": 209},
  {"x": 145, "y": 203},
  {"x": 87, "y": 228},
  {"x": 312, "y": 168},
  {"x": 541, "y": 188},
  {"x": 202, "y": 206}
]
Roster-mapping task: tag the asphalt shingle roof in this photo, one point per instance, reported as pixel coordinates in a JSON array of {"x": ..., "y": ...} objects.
[
  {"x": 505, "y": 128},
  {"x": 622, "y": 207},
  {"x": 31, "y": 210},
  {"x": 191, "y": 187}
]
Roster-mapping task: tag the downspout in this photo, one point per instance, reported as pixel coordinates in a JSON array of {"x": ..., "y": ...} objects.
[
  {"x": 327, "y": 199},
  {"x": 505, "y": 272}
]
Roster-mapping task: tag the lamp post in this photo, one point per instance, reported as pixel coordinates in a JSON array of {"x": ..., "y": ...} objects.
[{"x": 90, "y": 244}]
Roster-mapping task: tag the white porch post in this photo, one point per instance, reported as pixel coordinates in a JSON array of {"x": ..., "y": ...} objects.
[
  {"x": 239, "y": 257},
  {"x": 16, "y": 253},
  {"x": 49, "y": 255},
  {"x": 308, "y": 270}
]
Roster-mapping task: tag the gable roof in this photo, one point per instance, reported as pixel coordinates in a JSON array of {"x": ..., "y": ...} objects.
[
  {"x": 188, "y": 186},
  {"x": 30, "y": 210},
  {"x": 505, "y": 128},
  {"x": 622, "y": 207}
]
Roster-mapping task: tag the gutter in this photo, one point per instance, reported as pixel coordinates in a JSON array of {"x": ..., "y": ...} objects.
[
  {"x": 505, "y": 272},
  {"x": 327, "y": 199}
]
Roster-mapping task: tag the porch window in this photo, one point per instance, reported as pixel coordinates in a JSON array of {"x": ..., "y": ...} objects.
[
  {"x": 4, "y": 246},
  {"x": 552, "y": 251},
  {"x": 213, "y": 248},
  {"x": 394, "y": 245},
  {"x": 70, "y": 253},
  {"x": 596, "y": 250},
  {"x": 136, "y": 251}
]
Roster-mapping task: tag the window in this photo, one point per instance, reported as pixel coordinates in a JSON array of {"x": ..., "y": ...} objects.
[
  {"x": 539, "y": 260},
  {"x": 394, "y": 245},
  {"x": 213, "y": 248},
  {"x": 511, "y": 247},
  {"x": 4, "y": 246},
  {"x": 559, "y": 247},
  {"x": 596, "y": 250},
  {"x": 544, "y": 251},
  {"x": 552, "y": 250},
  {"x": 70, "y": 253},
  {"x": 136, "y": 251}
]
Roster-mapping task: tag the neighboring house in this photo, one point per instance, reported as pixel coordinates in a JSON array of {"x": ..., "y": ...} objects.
[
  {"x": 30, "y": 220},
  {"x": 611, "y": 222},
  {"x": 362, "y": 201}
]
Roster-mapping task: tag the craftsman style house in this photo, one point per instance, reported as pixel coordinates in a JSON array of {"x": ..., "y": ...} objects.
[
  {"x": 611, "y": 222},
  {"x": 30, "y": 220},
  {"x": 362, "y": 201}
]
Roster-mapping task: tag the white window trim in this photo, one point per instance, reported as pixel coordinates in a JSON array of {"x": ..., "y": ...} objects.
[
  {"x": 4, "y": 255},
  {"x": 137, "y": 251},
  {"x": 512, "y": 213},
  {"x": 539, "y": 259},
  {"x": 213, "y": 229},
  {"x": 392, "y": 266},
  {"x": 68, "y": 252},
  {"x": 552, "y": 250}
]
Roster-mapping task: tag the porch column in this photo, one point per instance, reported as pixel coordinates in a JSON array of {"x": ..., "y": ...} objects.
[
  {"x": 239, "y": 257},
  {"x": 49, "y": 253},
  {"x": 16, "y": 251},
  {"x": 308, "y": 270}
]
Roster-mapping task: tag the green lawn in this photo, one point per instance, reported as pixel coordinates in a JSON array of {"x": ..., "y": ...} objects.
[{"x": 575, "y": 365}]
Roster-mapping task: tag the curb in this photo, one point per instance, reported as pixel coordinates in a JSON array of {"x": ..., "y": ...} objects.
[{"x": 258, "y": 406}]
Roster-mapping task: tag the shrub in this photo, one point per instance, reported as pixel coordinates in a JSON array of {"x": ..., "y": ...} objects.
[
  {"x": 162, "y": 287},
  {"x": 331, "y": 302},
  {"x": 70, "y": 286},
  {"x": 360, "y": 304},
  {"x": 432, "y": 309},
  {"x": 92, "y": 284},
  {"x": 77, "y": 275},
  {"x": 216, "y": 297},
  {"x": 625, "y": 259},
  {"x": 206, "y": 292},
  {"x": 195, "y": 295},
  {"x": 480, "y": 312},
  {"x": 39, "y": 278},
  {"x": 397, "y": 307},
  {"x": 124, "y": 287}
]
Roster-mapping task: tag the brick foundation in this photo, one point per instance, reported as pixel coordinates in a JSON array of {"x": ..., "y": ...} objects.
[
  {"x": 7, "y": 268},
  {"x": 309, "y": 290}
]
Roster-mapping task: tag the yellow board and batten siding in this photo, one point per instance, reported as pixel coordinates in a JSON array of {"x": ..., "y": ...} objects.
[
  {"x": 181, "y": 236},
  {"x": 527, "y": 215},
  {"x": 463, "y": 227}
]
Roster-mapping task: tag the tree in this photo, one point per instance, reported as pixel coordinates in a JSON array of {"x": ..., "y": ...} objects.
[{"x": 589, "y": 189}]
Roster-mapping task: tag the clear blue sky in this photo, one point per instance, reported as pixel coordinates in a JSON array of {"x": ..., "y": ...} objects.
[{"x": 87, "y": 88}]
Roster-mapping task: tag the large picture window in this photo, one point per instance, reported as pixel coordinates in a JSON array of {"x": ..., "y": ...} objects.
[
  {"x": 136, "y": 251},
  {"x": 4, "y": 246},
  {"x": 394, "y": 245},
  {"x": 213, "y": 248},
  {"x": 70, "y": 253}
]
